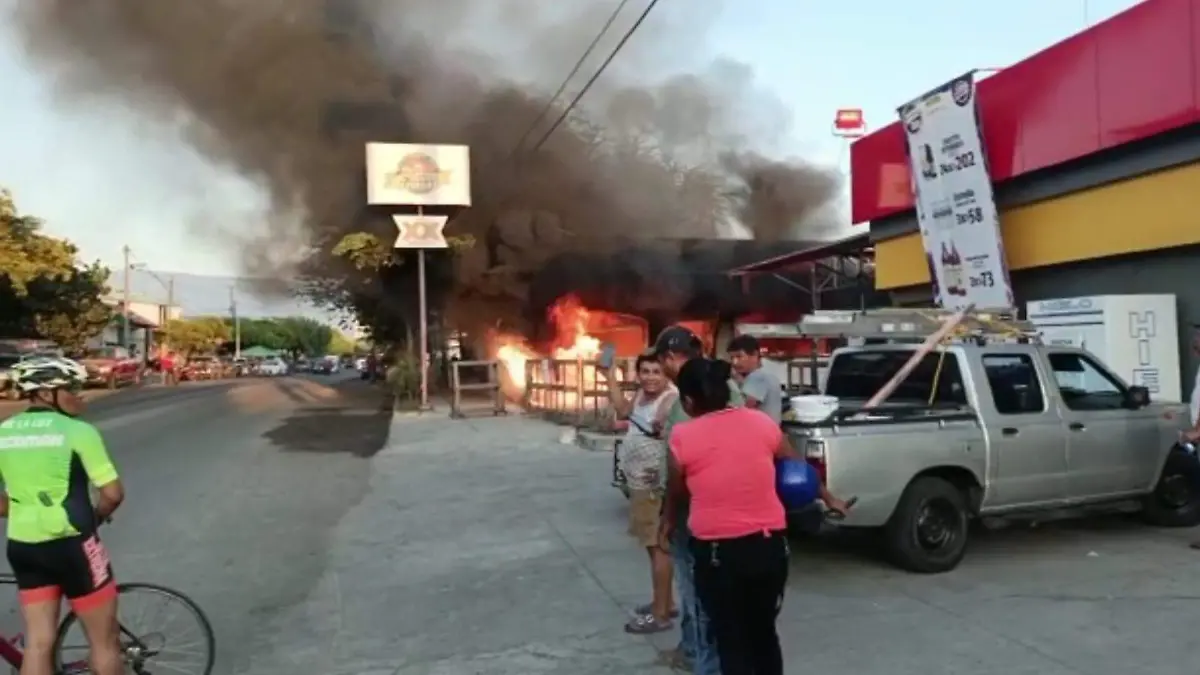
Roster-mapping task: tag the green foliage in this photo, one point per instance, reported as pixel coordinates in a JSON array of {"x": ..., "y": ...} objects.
[
  {"x": 266, "y": 333},
  {"x": 341, "y": 345},
  {"x": 306, "y": 336},
  {"x": 297, "y": 335},
  {"x": 44, "y": 290},
  {"x": 404, "y": 379},
  {"x": 196, "y": 336}
]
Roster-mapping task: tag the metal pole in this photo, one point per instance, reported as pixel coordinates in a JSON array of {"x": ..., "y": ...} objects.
[
  {"x": 237, "y": 325},
  {"x": 126, "y": 337},
  {"x": 424, "y": 323}
]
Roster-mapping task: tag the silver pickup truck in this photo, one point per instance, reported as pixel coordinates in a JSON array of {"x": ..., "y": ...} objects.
[{"x": 993, "y": 431}]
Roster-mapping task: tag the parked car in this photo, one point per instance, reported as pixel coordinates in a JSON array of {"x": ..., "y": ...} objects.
[
  {"x": 272, "y": 366},
  {"x": 993, "y": 432},
  {"x": 201, "y": 368},
  {"x": 323, "y": 367},
  {"x": 111, "y": 367}
]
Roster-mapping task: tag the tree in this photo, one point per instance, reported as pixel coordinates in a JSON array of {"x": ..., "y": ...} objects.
[
  {"x": 44, "y": 290},
  {"x": 266, "y": 333},
  {"x": 77, "y": 312},
  {"x": 201, "y": 335},
  {"x": 305, "y": 336},
  {"x": 340, "y": 344}
]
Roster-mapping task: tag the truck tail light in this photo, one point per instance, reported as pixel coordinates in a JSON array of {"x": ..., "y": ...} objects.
[{"x": 814, "y": 452}]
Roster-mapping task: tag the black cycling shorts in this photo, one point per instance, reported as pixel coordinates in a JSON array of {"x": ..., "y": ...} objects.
[{"x": 77, "y": 567}]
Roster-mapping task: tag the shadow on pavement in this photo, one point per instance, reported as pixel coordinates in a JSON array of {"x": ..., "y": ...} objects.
[{"x": 355, "y": 421}]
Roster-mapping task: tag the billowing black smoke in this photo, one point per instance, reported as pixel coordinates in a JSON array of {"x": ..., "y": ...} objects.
[{"x": 285, "y": 93}]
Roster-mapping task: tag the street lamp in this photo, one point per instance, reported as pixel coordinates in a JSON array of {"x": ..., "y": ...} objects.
[{"x": 164, "y": 314}]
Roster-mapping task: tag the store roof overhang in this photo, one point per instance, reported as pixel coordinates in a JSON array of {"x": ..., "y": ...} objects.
[
  {"x": 805, "y": 258},
  {"x": 1094, "y": 94}
]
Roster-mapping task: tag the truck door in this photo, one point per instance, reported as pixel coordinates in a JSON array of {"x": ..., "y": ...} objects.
[
  {"x": 1026, "y": 435},
  {"x": 1111, "y": 450}
]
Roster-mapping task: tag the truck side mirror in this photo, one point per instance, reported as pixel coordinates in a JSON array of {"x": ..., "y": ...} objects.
[{"x": 1137, "y": 397}]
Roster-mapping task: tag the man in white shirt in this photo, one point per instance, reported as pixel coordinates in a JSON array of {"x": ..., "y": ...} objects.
[{"x": 1193, "y": 434}]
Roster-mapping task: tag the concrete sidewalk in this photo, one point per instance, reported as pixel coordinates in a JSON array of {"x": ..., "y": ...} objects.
[{"x": 488, "y": 546}]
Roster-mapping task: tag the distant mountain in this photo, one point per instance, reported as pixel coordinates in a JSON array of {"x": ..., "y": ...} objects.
[{"x": 204, "y": 295}]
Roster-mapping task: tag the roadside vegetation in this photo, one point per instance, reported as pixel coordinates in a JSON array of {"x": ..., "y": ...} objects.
[{"x": 46, "y": 289}]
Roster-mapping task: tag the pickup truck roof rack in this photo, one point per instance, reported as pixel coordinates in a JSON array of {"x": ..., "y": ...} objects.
[{"x": 901, "y": 325}]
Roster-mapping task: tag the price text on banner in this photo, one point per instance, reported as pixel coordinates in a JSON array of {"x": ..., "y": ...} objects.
[{"x": 952, "y": 189}]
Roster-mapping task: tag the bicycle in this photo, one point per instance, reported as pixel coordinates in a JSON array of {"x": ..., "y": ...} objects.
[{"x": 142, "y": 654}]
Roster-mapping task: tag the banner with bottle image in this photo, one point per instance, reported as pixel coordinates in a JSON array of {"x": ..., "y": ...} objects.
[{"x": 952, "y": 190}]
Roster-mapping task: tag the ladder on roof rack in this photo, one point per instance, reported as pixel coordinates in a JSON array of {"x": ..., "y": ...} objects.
[{"x": 901, "y": 324}]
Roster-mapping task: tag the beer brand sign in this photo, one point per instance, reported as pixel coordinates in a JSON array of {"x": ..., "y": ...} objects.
[
  {"x": 952, "y": 190},
  {"x": 406, "y": 174}
]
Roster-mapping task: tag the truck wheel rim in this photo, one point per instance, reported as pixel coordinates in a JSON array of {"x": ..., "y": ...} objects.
[
  {"x": 937, "y": 525},
  {"x": 1175, "y": 491}
]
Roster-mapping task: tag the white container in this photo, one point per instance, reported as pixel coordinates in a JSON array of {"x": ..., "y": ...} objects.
[{"x": 814, "y": 409}]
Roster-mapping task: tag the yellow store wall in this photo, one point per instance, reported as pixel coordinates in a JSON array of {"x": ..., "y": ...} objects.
[{"x": 1159, "y": 210}]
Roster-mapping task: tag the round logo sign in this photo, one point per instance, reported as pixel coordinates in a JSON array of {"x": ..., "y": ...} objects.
[
  {"x": 912, "y": 118},
  {"x": 961, "y": 90},
  {"x": 417, "y": 173}
]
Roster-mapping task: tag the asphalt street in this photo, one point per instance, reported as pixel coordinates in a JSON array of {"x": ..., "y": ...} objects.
[
  {"x": 325, "y": 536},
  {"x": 232, "y": 490}
]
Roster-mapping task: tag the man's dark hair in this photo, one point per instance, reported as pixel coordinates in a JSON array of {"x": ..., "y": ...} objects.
[
  {"x": 645, "y": 357},
  {"x": 706, "y": 383},
  {"x": 747, "y": 344}
]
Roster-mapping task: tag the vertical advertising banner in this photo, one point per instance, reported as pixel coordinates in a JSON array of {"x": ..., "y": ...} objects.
[{"x": 952, "y": 189}]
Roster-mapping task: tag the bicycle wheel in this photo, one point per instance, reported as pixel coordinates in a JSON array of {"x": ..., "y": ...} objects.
[{"x": 150, "y": 645}]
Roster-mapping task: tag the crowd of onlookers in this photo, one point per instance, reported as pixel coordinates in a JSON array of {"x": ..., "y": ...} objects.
[{"x": 702, "y": 438}]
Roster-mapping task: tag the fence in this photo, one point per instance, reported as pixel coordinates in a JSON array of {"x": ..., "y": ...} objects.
[
  {"x": 493, "y": 391},
  {"x": 573, "y": 391}
]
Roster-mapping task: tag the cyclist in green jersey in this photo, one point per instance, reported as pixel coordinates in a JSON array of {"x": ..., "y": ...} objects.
[{"x": 48, "y": 459}]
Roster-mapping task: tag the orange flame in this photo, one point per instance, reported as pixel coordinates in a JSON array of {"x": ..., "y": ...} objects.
[{"x": 571, "y": 341}]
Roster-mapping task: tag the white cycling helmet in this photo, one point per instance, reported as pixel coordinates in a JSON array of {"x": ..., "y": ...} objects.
[{"x": 47, "y": 373}]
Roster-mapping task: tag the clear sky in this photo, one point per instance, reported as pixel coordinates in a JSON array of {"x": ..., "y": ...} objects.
[{"x": 100, "y": 180}]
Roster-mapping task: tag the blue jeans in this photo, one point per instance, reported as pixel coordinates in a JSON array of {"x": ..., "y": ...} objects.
[{"x": 696, "y": 642}]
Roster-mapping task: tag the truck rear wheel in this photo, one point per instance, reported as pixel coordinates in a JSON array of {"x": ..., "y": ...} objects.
[
  {"x": 1175, "y": 501},
  {"x": 927, "y": 533}
]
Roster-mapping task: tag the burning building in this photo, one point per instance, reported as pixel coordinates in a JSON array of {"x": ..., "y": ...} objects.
[{"x": 581, "y": 302}]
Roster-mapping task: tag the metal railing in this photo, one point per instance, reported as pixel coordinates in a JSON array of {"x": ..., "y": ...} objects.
[{"x": 573, "y": 391}]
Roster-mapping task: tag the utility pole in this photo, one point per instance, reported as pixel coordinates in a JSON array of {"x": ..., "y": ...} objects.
[
  {"x": 237, "y": 325},
  {"x": 126, "y": 336}
]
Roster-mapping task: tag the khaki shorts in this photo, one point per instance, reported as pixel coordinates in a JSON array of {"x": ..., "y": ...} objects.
[{"x": 645, "y": 512}]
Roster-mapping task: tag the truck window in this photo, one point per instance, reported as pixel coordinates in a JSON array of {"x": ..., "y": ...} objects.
[
  {"x": 858, "y": 375},
  {"x": 1013, "y": 380},
  {"x": 1084, "y": 385}
]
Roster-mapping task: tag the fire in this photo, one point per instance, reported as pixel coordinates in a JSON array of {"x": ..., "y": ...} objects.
[{"x": 572, "y": 342}]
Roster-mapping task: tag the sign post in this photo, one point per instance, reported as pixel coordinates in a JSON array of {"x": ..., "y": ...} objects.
[
  {"x": 402, "y": 174},
  {"x": 952, "y": 189}
]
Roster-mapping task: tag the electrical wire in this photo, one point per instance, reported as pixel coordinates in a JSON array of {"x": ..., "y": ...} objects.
[
  {"x": 570, "y": 76},
  {"x": 596, "y": 76}
]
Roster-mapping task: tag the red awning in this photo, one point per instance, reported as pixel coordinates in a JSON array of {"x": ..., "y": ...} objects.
[{"x": 858, "y": 244}]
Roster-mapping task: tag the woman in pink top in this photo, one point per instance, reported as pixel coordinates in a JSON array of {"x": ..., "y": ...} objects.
[{"x": 725, "y": 459}]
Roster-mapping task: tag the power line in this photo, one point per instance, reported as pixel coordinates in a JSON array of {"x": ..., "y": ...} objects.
[
  {"x": 612, "y": 55},
  {"x": 571, "y": 75}
]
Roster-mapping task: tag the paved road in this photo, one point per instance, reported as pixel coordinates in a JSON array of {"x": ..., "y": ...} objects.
[
  {"x": 488, "y": 547},
  {"x": 233, "y": 490}
]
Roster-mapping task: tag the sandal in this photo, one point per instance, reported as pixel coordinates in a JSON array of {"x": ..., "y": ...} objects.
[
  {"x": 648, "y": 609},
  {"x": 646, "y": 624}
]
